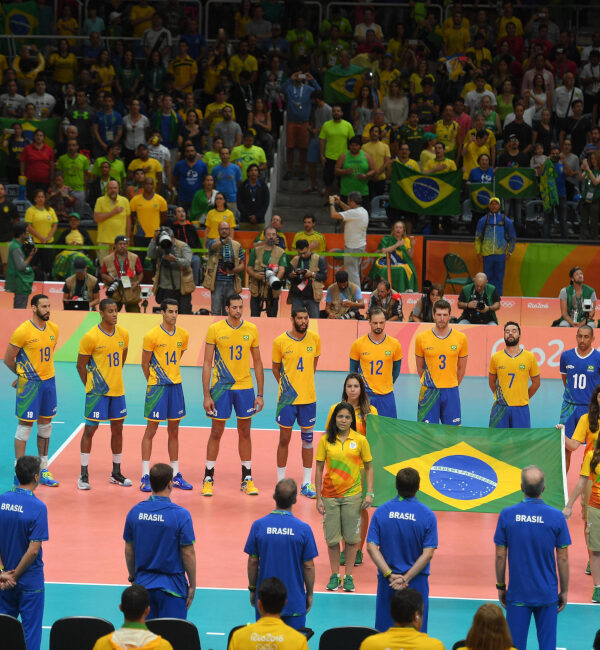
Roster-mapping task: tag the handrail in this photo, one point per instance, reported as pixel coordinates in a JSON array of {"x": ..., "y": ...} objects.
[{"x": 386, "y": 5}]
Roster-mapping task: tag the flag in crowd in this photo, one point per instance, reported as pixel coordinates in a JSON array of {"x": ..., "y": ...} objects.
[{"x": 424, "y": 194}]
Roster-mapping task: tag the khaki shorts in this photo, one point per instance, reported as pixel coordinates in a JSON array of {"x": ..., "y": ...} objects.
[
  {"x": 342, "y": 519},
  {"x": 4, "y": 254},
  {"x": 585, "y": 499},
  {"x": 297, "y": 135},
  {"x": 592, "y": 530}
]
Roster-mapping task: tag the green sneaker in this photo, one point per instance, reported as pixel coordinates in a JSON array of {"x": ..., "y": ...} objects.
[
  {"x": 334, "y": 582},
  {"x": 348, "y": 583},
  {"x": 596, "y": 595},
  {"x": 343, "y": 558},
  {"x": 588, "y": 571},
  {"x": 358, "y": 560}
]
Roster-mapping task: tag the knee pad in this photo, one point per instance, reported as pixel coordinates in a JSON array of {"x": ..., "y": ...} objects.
[
  {"x": 23, "y": 432},
  {"x": 44, "y": 430},
  {"x": 307, "y": 438}
]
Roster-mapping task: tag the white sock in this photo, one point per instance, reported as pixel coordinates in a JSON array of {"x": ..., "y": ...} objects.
[
  {"x": 43, "y": 462},
  {"x": 247, "y": 464},
  {"x": 175, "y": 466},
  {"x": 210, "y": 464},
  {"x": 280, "y": 473},
  {"x": 85, "y": 459},
  {"x": 145, "y": 467},
  {"x": 306, "y": 475},
  {"x": 117, "y": 458}
]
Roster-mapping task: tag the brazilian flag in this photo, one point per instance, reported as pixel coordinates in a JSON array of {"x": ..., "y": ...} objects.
[
  {"x": 20, "y": 18},
  {"x": 49, "y": 127},
  {"x": 465, "y": 468},
  {"x": 516, "y": 183},
  {"x": 438, "y": 194},
  {"x": 338, "y": 87},
  {"x": 480, "y": 194}
]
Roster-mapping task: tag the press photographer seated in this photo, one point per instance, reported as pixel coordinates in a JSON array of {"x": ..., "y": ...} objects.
[
  {"x": 577, "y": 302},
  {"x": 122, "y": 273},
  {"x": 480, "y": 302},
  {"x": 81, "y": 290},
  {"x": 266, "y": 267},
  {"x": 344, "y": 299}
]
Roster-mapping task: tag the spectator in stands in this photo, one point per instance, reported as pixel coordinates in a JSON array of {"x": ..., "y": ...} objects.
[
  {"x": 554, "y": 192},
  {"x": 355, "y": 219},
  {"x": 539, "y": 68},
  {"x": 361, "y": 29},
  {"x": 19, "y": 272},
  {"x": 395, "y": 105},
  {"x": 157, "y": 39},
  {"x": 577, "y": 301},
  {"x": 81, "y": 286},
  {"x": 427, "y": 103},
  {"x": 148, "y": 214},
  {"x": 41, "y": 223},
  {"x": 215, "y": 217},
  {"x": 473, "y": 150},
  {"x": 401, "y": 249},
  {"x": 520, "y": 129},
  {"x": 590, "y": 80},
  {"x": 241, "y": 95},
  {"x": 456, "y": 37},
  {"x": 188, "y": 173},
  {"x": 590, "y": 196},
  {"x": 9, "y": 216},
  {"x": 441, "y": 163},
  {"x": 379, "y": 152},
  {"x": 183, "y": 68},
  {"x": 60, "y": 197},
  {"x": 423, "y": 310},
  {"x": 384, "y": 299},
  {"x": 117, "y": 167},
  {"x": 136, "y": 127},
  {"x": 354, "y": 168},
  {"x": 150, "y": 166},
  {"x": 14, "y": 143},
  {"x": 74, "y": 167},
  {"x": 248, "y": 153},
  {"x": 228, "y": 178},
  {"x": 334, "y": 137},
  {"x": 474, "y": 97},
  {"x": 11, "y": 103},
  {"x": 225, "y": 262},
  {"x": 563, "y": 98},
  {"x": 344, "y": 299},
  {"x": 168, "y": 123},
  {"x": 253, "y": 197},
  {"x": 82, "y": 115},
  {"x": 75, "y": 235},
  {"x": 512, "y": 157},
  {"x": 37, "y": 164},
  {"x": 479, "y": 301},
  {"x": 184, "y": 231},
  {"x": 228, "y": 129},
  {"x": 28, "y": 64},
  {"x": 266, "y": 255},
  {"x": 112, "y": 214},
  {"x": 107, "y": 127},
  {"x": 97, "y": 187},
  {"x": 204, "y": 200},
  {"x": 43, "y": 102},
  {"x": 542, "y": 17},
  {"x": 316, "y": 241},
  {"x": 243, "y": 60},
  {"x": 489, "y": 629},
  {"x": 307, "y": 275},
  {"x": 576, "y": 128}
]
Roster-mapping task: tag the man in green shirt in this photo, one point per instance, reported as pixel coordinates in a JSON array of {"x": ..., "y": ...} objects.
[
  {"x": 74, "y": 166},
  {"x": 117, "y": 168},
  {"x": 19, "y": 274},
  {"x": 333, "y": 141},
  {"x": 247, "y": 154}
]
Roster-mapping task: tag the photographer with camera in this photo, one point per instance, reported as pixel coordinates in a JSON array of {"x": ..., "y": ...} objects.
[
  {"x": 344, "y": 299},
  {"x": 81, "y": 287},
  {"x": 266, "y": 267},
  {"x": 480, "y": 302},
  {"x": 577, "y": 302},
  {"x": 174, "y": 277},
  {"x": 225, "y": 263},
  {"x": 122, "y": 274},
  {"x": 388, "y": 302},
  {"x": 307, "y": 275},
  {"x": 19, "y": 273}
]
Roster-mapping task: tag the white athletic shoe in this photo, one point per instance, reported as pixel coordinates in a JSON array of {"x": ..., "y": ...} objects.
[{"x": 83, "y": 484}]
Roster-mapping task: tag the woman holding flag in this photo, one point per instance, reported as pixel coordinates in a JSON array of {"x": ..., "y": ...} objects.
[{"x": 401, "y": 250}]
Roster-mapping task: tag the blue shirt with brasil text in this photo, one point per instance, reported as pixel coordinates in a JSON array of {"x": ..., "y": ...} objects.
[
  {"x": 158, "y": 529},
  {"x": 582, "y": 375},
  {"x": 282, "y": 544},
  {"x": 531, "y": 531}
]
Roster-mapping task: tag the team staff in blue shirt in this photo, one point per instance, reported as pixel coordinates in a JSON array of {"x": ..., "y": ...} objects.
[
  {"x": 283, "y": 546},
  {"x": 401, "y": 541},
  {"x": 529, "y": 534},
  {"x": 159, "y": 548},
  {"x": 23, "y": 528}
]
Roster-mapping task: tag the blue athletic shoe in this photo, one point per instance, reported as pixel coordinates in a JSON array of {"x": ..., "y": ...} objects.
[
  {"x": 181, "y": 483},
  {"x": 145, "y": 484},
  {"x": 47, "y": 479},
  {"x": 308, "y": 490}
]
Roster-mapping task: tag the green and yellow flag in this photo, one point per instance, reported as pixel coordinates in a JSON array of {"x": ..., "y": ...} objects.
[
  {"x": 338, "y": 87},
  {"x": 20, "y": 18},
  {"x": 465, "y": 468},
  {"x": 480, "y": 194},
  {"x": 412, "y": 191},
  {"x": 516, "y": 183}
]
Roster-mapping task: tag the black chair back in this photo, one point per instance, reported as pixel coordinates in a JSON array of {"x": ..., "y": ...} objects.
[
  {"x": 78, "y": 632},
  {"x": 181, "y": 634},
  {"x": 459, "y": 644},
  {"x": 11, "y": 633},
  {"x": 345, "y": 638}
]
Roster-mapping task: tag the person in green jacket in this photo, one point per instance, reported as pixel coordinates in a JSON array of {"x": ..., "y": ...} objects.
[
  {"x": 479, "y": 301},
  {"x": 19, "y": 274},
  {"x": 354, "y": 168},
  {"x": 577, "y": 301}
]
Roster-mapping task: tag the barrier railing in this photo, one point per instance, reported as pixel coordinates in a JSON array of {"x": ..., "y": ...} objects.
[{"x": 344, "y": 6}]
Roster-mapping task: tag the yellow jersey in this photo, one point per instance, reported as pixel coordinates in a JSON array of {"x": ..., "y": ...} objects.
[
  {"x": 361, "y": 425},
  {"x": 41, "y": 221},
  {"x": 166, "y": 354},
  {"x": 297, "y": 359},
  {"x": 314, "y": 236},
  {"x": 233, "y": 347},
  {"x": 513, "y": 375},
  {"x": 343, "y": 461},
  {"x": 148, "y": 213},
  {"x": 35, "y": 358},
  {"x": 447, "y": 134},
  {"x": 105, "y": 367},
  {"x": 138, "y": 12},
  {"x": 214, "y": 218},
  {"x": 183, "y": 69},
  {"x": 584, "y": 434},
  {"x": 434, "y": 162},
  {"x": 376, "y": 362},
  {"x": 406, "y": 638},
  {"x": 441, "y": 357},
  {"x": 115, "y": 225},
  {"x": 268, "y": 632},
  {"x": 151, "y": 168}
]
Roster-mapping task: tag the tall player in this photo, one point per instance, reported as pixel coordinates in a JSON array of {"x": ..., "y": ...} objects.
[
  {"x": 162, "y": 350},
  {"x": 295, "y": 358},
  {"x": 30, "y": 355},
  {"x": 377, "y": 357},
  {"x": 441, "y": 358},
  {"x": 510, "y": 371},
  {"x": 231, "y": 342},
  {"x": 102, "y": 354}
]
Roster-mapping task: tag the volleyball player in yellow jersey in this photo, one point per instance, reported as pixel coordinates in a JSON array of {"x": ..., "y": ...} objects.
[
  {"x": 102, "y": 354},
  {"x": 510, "y": 370},
  {"x": 295, "y": 358},
  {"x": 30, "y": 355},
  {"x": 377, "y": 357},
  {"x": 231, "y": 342},
  {"x": 441, "y": 359},
  {"x": 162, "y": 350}
]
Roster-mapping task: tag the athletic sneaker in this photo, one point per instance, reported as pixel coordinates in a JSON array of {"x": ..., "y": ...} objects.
[
  {"x": 145, "y": 484},
  {"x": 596, "y": 595},
  {"x": 588, "y": 571},
  {"x": 207, "y": 487},
  {"x": 118, "y": 479},
  {"x": 83, "y": 483},
  {"x": 348, "y": 583},
  {"x": 358, "y": 560},
  {"x": 308, "y": 490},
  {"x": 47, "y": 479},
  {"x": 334, "y": 582},
  {"x": 181, "y": 483},
  {"x": 248, "y": 487},
  {"x": 343, "y": 558}
]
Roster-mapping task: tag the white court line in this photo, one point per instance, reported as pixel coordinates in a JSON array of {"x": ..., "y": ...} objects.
[
  {"x": 223, "y": 634},
  {"x": 65, "y": 443},
  {"x": 189, "y": 426},
  {"x": 57, "y": 422}
]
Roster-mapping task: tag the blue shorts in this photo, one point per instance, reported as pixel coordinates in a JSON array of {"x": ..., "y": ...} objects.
[
  {"x": 439, "y": 405},
  {"x": 503, "y": 416},
  {"x": 99, "y": 408},
  {"x": 35, "y": 399},
  {"x": 385, "y": 404},
  {"x": 242, "y": 399},
  {"x": 314, "y": 152},
  {"x": 305, "y": 414},
  {"x": 164, "y": 402},
  {"x": 166, "y": 605},
  {"x": 569, "y": 416},
  {"x": 30, "y": 605}
]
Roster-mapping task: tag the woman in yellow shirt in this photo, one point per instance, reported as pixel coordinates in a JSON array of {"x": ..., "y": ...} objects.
[
  {"x": 41, "y": 224},
  {"x": 387, "y": 73},
  {"x": 242, "y": 18},
  {"x": 215, "y": 216},
  {"x": 489, "y": 630},
  {"x": 63, "y": 64},
  {"x": 67, "y": 25},
  {"x": 416, "y": 78},
  {"x": 103, "y": 71}
]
